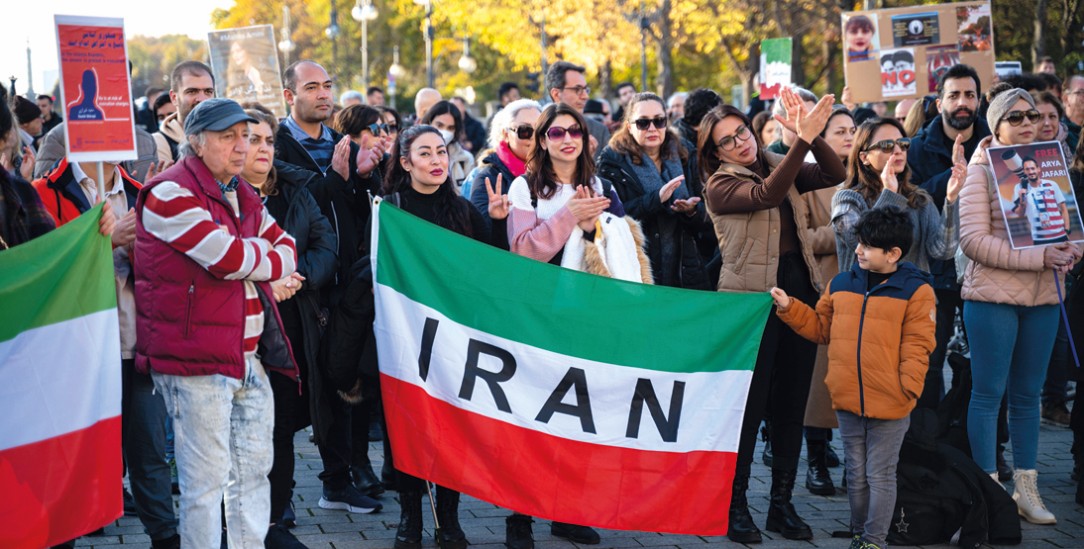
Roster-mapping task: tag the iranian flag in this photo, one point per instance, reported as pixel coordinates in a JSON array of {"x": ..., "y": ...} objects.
[
  {"x": 60, "y": 463},
  {"x": 556, "y": 393}
]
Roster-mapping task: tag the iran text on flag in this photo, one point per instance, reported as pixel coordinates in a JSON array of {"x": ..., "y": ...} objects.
[
  {"x": 556, "y": 393},
  {"x": 60, "y": 464}
]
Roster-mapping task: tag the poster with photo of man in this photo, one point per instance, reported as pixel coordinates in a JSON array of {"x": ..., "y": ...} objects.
[
  {"x": 898, "y": 72},
  {"x": 246, "y": 65},
  {"x": 1036, "y": 197}
]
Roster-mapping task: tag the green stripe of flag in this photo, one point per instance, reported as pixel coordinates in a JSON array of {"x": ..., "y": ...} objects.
[
  {"x": 62, "y": 275},
  {"x": 565, "y": 311}
]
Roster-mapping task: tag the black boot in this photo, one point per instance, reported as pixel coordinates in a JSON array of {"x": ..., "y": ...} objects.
[
  {"x": 365, "y": 480},
  {"x": 742, "y": 529},
  {"x": 782, "y": 517},
  {"x": 450, "y": 535},
  {"x": 518, "y": 533},
  {"x": 766, "y": 435},
  {"x": 409, "y": 534},
  {"x": 817, "y": 478},
  {"x": 1004, "y": 472}
]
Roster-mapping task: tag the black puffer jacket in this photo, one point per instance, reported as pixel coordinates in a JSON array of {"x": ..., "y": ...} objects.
[
  {"x": 296, "y": 211},
  {"x": 491, "y": 167},
  {"x": 671, "y": 237}
]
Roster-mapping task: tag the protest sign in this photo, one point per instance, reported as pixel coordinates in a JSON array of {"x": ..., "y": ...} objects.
[
  {"x": 1037, "y": 199},
  {"x": 900, "y": 53},
  {"x": 95, "y": 89},
  {"x": 247, "y": 65},
  {"x": 775, "y": 66}
]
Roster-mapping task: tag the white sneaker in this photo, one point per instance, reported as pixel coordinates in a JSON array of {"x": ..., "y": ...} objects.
[{"x": 1028, "y": 502}]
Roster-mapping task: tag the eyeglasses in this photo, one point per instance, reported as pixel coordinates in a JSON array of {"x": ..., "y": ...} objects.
[
  {"x": 557, "y": 133},
  {"x": 729, "y": 142},
  {"x": 1015, "y": 118},
  {"x": 643, "y": 124},
  {"x": 393, "y": 128},
  {"x": 888, "y": 145},
  {"x": 377, "y": 129},
  {"x": 524, "y": 132},
  {"x": 579, "y": 90}
]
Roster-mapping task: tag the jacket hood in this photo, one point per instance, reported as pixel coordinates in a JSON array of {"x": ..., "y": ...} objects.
[{"x": 173, "y": 128}]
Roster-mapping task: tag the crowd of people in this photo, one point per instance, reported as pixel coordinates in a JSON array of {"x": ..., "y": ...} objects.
[{"x": 248, "y": 314}]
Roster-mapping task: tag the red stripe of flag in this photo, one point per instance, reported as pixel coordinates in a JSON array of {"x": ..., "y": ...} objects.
[
  {"x": 60, "y": 488},
  {"x": 556, "y": 478}
]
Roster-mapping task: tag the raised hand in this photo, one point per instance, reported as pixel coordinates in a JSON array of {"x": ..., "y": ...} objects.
[
  {"x": 668, "y": 189},
  {"x": 26, "y": 169},
  {"x": 959, "y": 170},
  {"x": 811, "y": 124},
  {"x": 368, "y": 159},
  {"x": 157, "y": 168},
  {"x": 498, "y": 203},
  {"x": 888, "y": 178},
  {"x": 340, "y": 159}
]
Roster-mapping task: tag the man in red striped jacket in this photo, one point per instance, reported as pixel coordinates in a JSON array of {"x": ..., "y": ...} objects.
[{"x": 209, "y": 262}]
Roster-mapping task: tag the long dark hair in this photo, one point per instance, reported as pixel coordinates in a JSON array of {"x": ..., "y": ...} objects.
[
  {"x": 866, "y": 180},
  {"x": 452, "y": 213},
  {"x": 444, "y": 107},
  {"x": 624, "y": 143},
  {"x": 541, "y": 178},
  {"x": 706, "y": 156}
]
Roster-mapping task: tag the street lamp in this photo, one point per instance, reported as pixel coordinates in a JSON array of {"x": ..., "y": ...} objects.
[
  {"x": 332, "y": 33},
  {"x": 364, "y": 12},
  {"x": 467, "y": 63},
  {"x": 286, "y": 45},
  {"x": 395, "y": 72},
  {"x": 645, "y": 26},
  {"x": 428, "y": 4}
]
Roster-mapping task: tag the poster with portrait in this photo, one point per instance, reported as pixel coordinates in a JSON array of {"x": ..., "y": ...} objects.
[
  {"x": 95, "y": 89},
  {"x": 246, "y": 66},
  {"x": 775, "y": 66},
  {"x": 935, "y": 36},
  {"x": 1037, "y": 199},
  {"x": 898, "y": 72},
  {"x": 916, "y": 29}
]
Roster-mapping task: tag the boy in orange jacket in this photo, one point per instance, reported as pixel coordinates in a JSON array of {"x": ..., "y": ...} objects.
[{"x": 878, "y": 322}]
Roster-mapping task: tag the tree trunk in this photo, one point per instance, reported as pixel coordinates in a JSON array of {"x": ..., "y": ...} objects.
[
  {"x": 664, "y": 58},
  {"x": 1038, "y": 48}
]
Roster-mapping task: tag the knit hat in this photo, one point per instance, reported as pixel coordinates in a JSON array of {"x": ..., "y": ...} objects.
[
  {"x": 26, "y": 111},
  {"x": 1001, "y": 105}
]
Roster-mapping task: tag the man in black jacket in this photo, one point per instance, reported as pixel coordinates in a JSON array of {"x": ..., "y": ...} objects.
[
  {"x": 346, "y": 176},
  {"x": 930, "y": 160}
]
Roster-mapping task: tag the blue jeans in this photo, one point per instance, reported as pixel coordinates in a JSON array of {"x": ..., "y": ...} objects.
[
  {"x": 872, "y": 450},
  {"x": 143, "y": 421},
  {"x": 222, "y": 427},
  {"x": 1010, "y": 349}
]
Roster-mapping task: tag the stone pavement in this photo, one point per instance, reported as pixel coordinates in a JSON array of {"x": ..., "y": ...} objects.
[{"x": 484, "y": 523}]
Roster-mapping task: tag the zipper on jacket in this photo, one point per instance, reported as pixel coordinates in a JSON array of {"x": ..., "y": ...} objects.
[
  {"x": 861, "y": 389},
  {"x": 188, "y": 313}
]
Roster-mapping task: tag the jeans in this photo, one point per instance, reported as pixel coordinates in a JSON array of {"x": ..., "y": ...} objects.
[
  {"x": 143, "y": 428},
  {"x": 872, "y": 450},
  {"x": 1010, "y": 348},
  {"x": 222, "y": 427}
]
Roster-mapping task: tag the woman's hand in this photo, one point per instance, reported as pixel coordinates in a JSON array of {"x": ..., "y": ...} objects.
[
  {"x": 888, "y": 178},
  {"x": 498, "y": 203},
  {"x": 668, "y": 189},
  {"x": 1060, "y": 257},
  {"x": 686, "y": 206},
  {"x": 959, "y": 171},
  {"x": 26, "y": 169},
  {"x": 586, "y": 208},
  {"x": 807, "y": 125},
  {"x": 847, "y": 99},
  {"x": 782, "y": 300}
]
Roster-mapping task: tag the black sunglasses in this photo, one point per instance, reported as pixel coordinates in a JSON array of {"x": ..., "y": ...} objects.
[
  {"x": 1015, "y": 118},
  {"x": 393, "y": 128},
  {"x": 643, "y": 124},
  {"x": 888, "y": 145},
  {"x": 377, "y": 129},
  {"x": 524, "y": 131}
]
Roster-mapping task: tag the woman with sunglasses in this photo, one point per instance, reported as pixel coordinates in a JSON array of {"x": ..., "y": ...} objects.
[
  {"x": 511, "y": 137},
  {"x": 820, "y": 417},
  {"x": 650, "y": 168},
  {"x": 446, "y": 118},
  {"x": 1010, "y": 309},
  {"x": 753, "y": 198},
  {"x": 877, "y": 177},
  {"x": 390, "y": 117},
  {"x": 364, "y": 125}
]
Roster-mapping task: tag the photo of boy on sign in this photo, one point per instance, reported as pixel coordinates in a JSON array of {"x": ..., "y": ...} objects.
[
  {"x": 898, "y": 73},
  {"x": 1036, "y": 196},
  {"x": 860, "y": 35}
]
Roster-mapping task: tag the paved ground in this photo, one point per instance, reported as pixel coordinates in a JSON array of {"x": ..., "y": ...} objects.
[{"x": 484, "y": 523}]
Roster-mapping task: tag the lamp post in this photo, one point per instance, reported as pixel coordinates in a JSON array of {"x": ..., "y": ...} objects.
[
  {"x": 332, "y": 33},
  {"x": 286, "y": 45},
  {"x": 428, "y": 4},
  {"x": 363, "y": 12},
  {"x": 467, "y": 63},
  {"x": 395, "y": 72},
  {"x": 645, "y": 25}
]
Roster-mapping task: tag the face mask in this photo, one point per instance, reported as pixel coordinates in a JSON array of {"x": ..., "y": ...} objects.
[{"x": 448, "y": 136}]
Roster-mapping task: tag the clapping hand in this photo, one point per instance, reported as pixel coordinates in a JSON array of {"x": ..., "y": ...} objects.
[{"x": 959, "y": 171}]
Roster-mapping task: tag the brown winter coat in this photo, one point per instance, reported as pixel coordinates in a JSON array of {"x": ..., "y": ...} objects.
[{"x": 818, "y": 407}]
